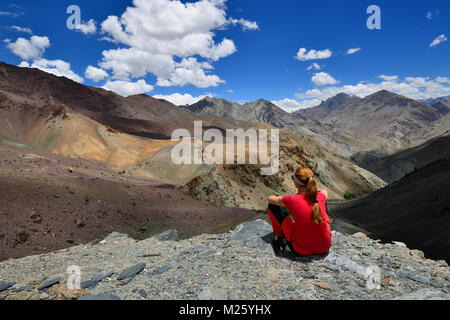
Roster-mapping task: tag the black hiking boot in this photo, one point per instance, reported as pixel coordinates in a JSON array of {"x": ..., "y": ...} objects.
[{"x": 277, "y": 245}]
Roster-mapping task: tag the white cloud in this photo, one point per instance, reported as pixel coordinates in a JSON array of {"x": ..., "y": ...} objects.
[
  {"x": 8, "y": 14},
  {"x": 182, "y": 99},
  {"x": 323, "y": 79},
  {"x": 136, "y": 63},
  {"x": 429, "y": 15},
  {"x": 34, "y": 49},
  {"x": 412, "y": 87},
  {"x": 314, "y": 66},
  {"x": 20, "y": 29},
  {"x": 127, "y": 88},
  {"x": 95, "y": 74},
  {"x": 169, "y": 39},
  {"x": 246, "y": 25},
  {"x": 443, "y": 80},
  {"x": 438, "y": 40},
  {"x": 353, "y": 51},
  {"x": 303, "y": 55},
  {"x": 290, "y": 105},
  {"x": 89, "y": 27},
  {"x": 29, "y": 49},
  {"x": 388, "y": 78},
  {"x": 190, "y": 71},
  {"x": 58, "y": 68}
]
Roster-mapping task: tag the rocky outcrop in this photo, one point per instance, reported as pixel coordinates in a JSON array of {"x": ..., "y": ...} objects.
[
  {"x": 235, "y": 265},
  {"x": 243, "y": 186}
]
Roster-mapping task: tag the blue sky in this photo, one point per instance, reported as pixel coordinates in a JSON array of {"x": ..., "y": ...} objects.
[{"x": 240, "y": 50}]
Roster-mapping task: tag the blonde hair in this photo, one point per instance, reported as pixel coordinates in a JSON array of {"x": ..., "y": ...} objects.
[{"x": 306, "y": 176}]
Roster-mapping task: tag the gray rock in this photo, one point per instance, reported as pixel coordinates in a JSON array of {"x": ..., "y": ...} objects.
[
  {"x": 161, "y": 270},
  {"x": 99, "y": 297},
  {"x": 115, "y": 236},
  {"x": 131, "y": 272},
  {"x": 43, "y": 296},
  {"x": 95, "y": 280},
  {"x": 208, "y": 293},
  {"x": 19, "y": 288},
  {"x": 143, "y": 293},
  {"x": 49, "y": 284},
  {"x": 94, "y": 243},
  {"x": 255, "y": 234},
  {"x": 419, "y": 279},
  {"x": 6, "y": 286},
  {"x": 170, "y": 235}
]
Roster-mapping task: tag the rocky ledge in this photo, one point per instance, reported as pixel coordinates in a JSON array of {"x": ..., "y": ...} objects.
[{"x": 233, "y": 266}]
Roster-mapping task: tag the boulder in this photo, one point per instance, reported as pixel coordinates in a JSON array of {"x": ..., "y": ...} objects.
[
  {"x": 170, "y": 235},
  {"x": 255, "y": 234}
]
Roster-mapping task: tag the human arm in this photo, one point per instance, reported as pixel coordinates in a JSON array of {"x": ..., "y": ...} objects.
[
  {"x": 277, "y": 201},
  {"x": 325, "y": 192}
]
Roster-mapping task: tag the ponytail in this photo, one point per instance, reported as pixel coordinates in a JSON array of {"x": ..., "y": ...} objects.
[
  {"x": 306, "y": 176},
  {"x": 311, "y": 192}
]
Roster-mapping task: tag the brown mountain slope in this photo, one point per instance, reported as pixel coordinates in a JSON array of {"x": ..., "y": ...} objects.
[
  {"x": 138, "y": 115},
  {"x": 69, "y": 119},
  {"x": 267, "y": 112},
  {"x": 50, "y": 202},
  {"x": 386, "y": 122},
  {"x": 414, "y": 210},
  {"x": 393, "y": 168}
]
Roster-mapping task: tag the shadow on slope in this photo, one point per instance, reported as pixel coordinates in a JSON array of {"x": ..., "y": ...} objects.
[{"x": 414, "y": 210}]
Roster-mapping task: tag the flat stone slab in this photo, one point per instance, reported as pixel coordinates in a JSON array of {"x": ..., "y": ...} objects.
[
  {"x": 132, "y": 271},
  {"x": 95, "y": 280},
  {"x": 6, "y": 286},
  {"x": 49, "y": 284},
  {"x": 161, "y": 270}
]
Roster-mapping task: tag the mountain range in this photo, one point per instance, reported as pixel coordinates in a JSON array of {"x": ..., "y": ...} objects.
[
  {"x": 88, "y": 148},
  {"x": 56, "y": 134}
]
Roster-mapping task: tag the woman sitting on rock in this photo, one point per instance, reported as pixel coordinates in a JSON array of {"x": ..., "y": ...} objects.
[{"x": 309, "y": 232}]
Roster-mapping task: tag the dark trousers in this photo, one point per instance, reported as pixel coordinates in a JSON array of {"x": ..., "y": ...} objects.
[{"x": 280, "y": 214}]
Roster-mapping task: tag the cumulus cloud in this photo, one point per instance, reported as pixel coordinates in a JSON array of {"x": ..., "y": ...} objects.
[
  {"x": 246, "y": 25},
  {"x": 290, "y": 105},
  {"x": 95, "y": 74},
  {"x": 30, "y": 49},
  {"x": 128, "y": 88},
  {"x": 169, "y": 39},
  {"x": 412, "y": 87},
  {"x": 438, "y": 40},
  {"x": 443, "y": 80},
  {"x": 388, "y": 78},
  {"x": 190, "y": 71},
  {"x": 353, "y": 51},
  {"x": 33, "y": 49},
  {"x": 304, "y": 55},
  {"x": 182, "y": 99},
  {"x": 89, "y": 27},
  {"x": 58, "y": 68},
  {"x": 323, "y": 79},
  {"x": 314, "y": 66},
  {"x": 20, "y": 29}
]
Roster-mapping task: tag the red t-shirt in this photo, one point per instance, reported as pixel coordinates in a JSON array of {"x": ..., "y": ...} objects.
[{"x": 306, "y": 236}]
